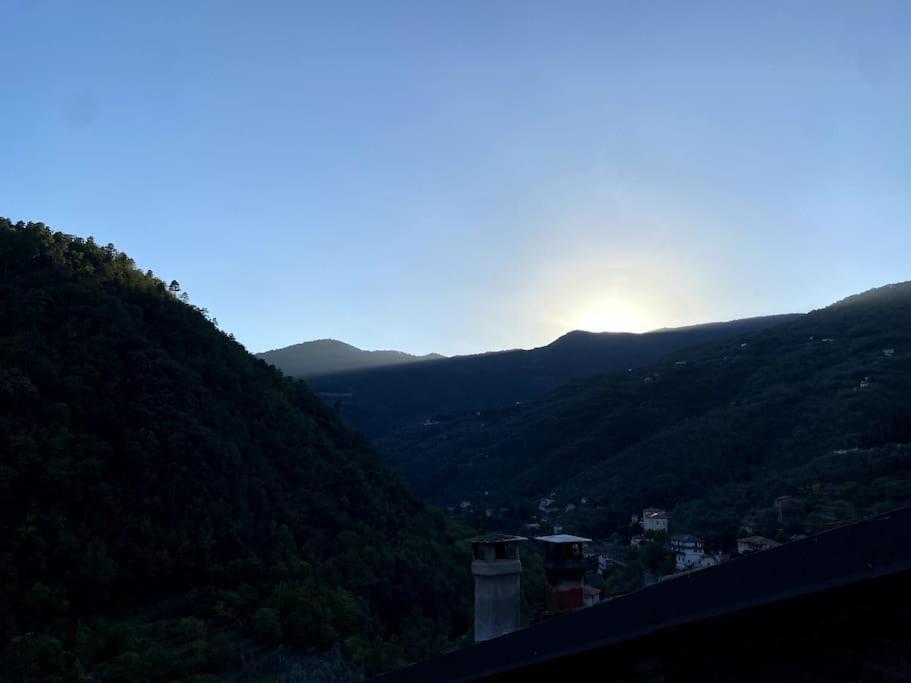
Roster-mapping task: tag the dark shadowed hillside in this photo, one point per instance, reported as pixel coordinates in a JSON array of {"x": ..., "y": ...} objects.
[
  {"x": 381, "y": 399},
  {"x": 818, "y": 408},
  {"x": 171, "y": 506},
  {"x": 323, "y": 356}
]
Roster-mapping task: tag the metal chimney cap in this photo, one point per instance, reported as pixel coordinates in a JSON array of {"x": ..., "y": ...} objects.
[{"x": 563, "y": 538}]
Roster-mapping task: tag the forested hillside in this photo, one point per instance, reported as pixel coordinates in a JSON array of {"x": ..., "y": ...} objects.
[
  {"x": 379, "y": 400},
  {"x": 818, "y": 408},
  {"x": 171, "y": 506}
]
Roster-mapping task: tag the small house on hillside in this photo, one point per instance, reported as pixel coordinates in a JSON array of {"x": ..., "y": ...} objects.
[
  {"x": 655, "y": 519},
  {"x": 689, "y": 551},
  {"x": 590, "y": 596}
]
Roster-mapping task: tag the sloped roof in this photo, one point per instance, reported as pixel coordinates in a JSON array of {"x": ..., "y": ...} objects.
[
  {"x": 649, "y": 511},
  {"x": 495, "y": 538},
  {"x": 758, "y": 540}
]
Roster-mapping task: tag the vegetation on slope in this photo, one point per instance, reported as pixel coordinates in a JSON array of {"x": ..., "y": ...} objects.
[
  {"x": 170, "y": 506},
  {"x": 382, "y": 399},
  {"x": 817, "y": 408}
]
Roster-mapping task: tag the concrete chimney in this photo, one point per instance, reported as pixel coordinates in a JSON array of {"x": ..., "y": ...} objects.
[{"x": 497, "y": 570}]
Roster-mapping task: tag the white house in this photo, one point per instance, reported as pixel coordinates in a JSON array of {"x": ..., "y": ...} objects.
[
  {"x": 655, "y": 519},
  {"x": 689, "y": 551}
]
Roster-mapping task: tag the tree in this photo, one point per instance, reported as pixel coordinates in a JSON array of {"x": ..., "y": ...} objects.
[{"x": 174, "y": 287}]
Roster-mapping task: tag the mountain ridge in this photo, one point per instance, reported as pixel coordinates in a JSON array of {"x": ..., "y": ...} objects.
[
  {"x": 326, "y": 356},
  {"x": 815, "y": 408},
  {"x": 377, "y": 400}
]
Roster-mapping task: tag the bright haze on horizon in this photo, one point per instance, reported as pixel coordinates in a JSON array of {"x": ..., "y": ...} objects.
[{"x": 469, "y": 176}]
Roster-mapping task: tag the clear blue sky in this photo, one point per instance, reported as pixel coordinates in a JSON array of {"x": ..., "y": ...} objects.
[{"x": 465, "y": 176}]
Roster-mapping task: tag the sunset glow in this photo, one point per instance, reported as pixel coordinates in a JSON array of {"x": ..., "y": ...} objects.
[{"x": 612, "y": 314}]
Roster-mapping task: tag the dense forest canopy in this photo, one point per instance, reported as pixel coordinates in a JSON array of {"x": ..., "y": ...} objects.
[
  {"x": 170, "y": 506},
  {"x": 817, "y": 408}
]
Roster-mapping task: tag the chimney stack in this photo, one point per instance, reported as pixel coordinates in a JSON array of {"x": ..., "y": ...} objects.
[
  {"x": 497, "y": 570},
  {"x": 564, "y": 570}
]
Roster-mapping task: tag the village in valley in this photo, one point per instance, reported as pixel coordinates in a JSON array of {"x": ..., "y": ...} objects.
[
  {"x": 651, "y": 547},
  {"x": 645, "y": 551}
]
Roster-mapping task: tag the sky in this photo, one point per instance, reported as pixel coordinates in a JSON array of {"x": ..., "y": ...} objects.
[{"x": 468, "y": 176}]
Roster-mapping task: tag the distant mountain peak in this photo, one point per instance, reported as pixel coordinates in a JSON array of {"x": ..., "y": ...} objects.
[
  {"x": 587, "y": 334},
  {"x": 381, "y": 399},
  {"x": 323, "y": 356}
]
